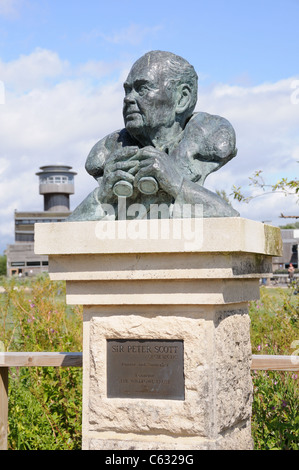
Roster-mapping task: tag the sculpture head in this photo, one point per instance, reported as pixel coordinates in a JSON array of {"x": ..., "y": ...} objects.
[{"x": 160, "y": 95}]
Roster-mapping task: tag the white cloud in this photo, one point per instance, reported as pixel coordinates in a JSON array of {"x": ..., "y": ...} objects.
[
  {"x": 33, "y": 70},
  {"x": 96, "y": 69},
  {"x": 264, "y": 118},
  {"x": 133, "y": 34},
  {"x": 63, "y": 111},
  {"x": 266, "y": 123},
  {"x": 10, "y": 8},
  {"x": 269, "y": 207}
]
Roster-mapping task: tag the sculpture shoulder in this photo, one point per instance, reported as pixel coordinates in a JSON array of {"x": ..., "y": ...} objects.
[
  {"x": 103, "y": 148},
  {"x": 210, "y": 137}
]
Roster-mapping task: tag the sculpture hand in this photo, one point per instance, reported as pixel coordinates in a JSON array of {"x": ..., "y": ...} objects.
[
  {"x": 158, "y": 164},
  {"x": 119, "y": 166}
]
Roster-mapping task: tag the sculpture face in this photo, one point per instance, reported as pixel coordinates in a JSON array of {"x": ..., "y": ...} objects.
[{"x": 149, "y": 104}]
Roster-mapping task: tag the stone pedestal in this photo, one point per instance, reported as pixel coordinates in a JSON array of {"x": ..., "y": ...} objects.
[{"x": 166, "y": 351}]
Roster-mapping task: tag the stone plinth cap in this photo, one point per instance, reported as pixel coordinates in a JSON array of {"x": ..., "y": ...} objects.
[{"x": 158, "y": 236}]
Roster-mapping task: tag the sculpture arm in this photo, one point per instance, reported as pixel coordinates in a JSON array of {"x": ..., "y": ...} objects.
[
  {"x": 113, "y": 144},
  {"x": 209, "y": 142},
  {"x": 212, "y": 204}
]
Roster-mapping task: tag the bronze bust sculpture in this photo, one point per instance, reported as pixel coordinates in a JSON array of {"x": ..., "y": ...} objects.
[{"x": 165, "y": 152}]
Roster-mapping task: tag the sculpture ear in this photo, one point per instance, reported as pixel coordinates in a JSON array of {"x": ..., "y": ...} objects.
[{"x": 183, "y": 98}]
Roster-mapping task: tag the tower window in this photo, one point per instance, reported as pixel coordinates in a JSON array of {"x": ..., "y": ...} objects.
[{"x": 56, "y": 179}]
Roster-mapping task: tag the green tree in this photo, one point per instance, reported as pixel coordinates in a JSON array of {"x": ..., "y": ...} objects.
[
  {"x": 2, "y": 265},
  {"x": 291, "y": 226}
]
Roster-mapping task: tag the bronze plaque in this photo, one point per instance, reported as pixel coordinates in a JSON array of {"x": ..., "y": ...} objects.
[{"x": 145, "y": 369}]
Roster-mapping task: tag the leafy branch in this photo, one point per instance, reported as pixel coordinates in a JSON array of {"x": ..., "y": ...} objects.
[{"x": 284, "y": 185}]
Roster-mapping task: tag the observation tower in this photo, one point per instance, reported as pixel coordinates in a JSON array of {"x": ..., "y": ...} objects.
[{"x": 56, "y": 184}]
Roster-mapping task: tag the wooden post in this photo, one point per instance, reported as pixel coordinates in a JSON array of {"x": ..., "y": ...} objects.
[{"x": 3, "y": 407}]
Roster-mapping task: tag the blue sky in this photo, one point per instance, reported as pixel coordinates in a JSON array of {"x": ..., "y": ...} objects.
[
  {"x": 225, "y": 40},
  {"x": 63, "y": 62}
]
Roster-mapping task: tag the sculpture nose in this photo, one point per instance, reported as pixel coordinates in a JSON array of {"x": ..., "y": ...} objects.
[{"x": 129, "y": 97}]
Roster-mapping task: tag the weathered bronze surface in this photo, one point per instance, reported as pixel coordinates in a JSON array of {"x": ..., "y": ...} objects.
[
  {"x": 165, "y": 151},
  {"x": 152, "y": 369}
]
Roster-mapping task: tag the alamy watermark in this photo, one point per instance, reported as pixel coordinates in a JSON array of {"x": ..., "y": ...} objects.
[
  {"x": 295, "y": 93},
  {"x": 136, "y": 222}
]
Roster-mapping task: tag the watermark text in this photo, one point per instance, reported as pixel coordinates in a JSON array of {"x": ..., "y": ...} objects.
[{"x": 137, "y": 222}]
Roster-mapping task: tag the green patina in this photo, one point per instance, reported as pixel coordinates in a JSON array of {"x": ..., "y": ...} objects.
[
  {"x": 165, "y": 151},
  {"x": 273, "y": 241}
]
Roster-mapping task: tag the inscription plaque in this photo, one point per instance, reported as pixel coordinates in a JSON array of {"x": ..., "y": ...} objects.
[{"x": 145, "y": 369}]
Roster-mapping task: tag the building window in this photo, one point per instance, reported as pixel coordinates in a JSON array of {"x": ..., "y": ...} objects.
[
  {"x": 24, "y": 237},
  {"x": 22, "y": 222},
  {"x": 26, "y": 221},
  {"x": 33, "y": 263},
  {"x": 17, "y": 263}
]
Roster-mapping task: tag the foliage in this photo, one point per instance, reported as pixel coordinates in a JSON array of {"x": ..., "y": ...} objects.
[
  {"x": 2, "y": 265},
  {"x": 283, "y": 185},
  {"x": 223, "y": 195},
  {"x": 44, "y": 402},
  {"x": 275, "y": 423},
  {"x": 274, "y": 321},
  {"x": 45, "y": 408},
  {"x": 275, "y": 330},
  {"x": 284, "y": 271},
  {"x": 290, "y": 226}
]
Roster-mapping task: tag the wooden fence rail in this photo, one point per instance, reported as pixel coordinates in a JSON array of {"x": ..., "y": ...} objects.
[{"x": 60, "y": 359}]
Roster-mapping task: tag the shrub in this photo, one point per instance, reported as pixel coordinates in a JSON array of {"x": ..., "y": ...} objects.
[
  {"x": 44, "y": 402},
  {"x": 274, "y": 329},
  {"x": 275, "y": 420}
]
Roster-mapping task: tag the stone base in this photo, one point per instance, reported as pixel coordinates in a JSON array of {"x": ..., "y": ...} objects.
[
  {"x": 137, "y": 284},
  {"x": 216, "y": 410},
  {"x": 236, "y": 439}
]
